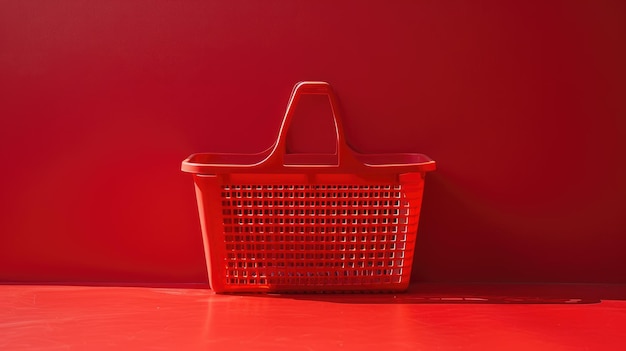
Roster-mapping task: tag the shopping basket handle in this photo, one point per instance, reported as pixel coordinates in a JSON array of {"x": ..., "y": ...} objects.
[
  {"x": 276, "y": 160},
  {"x": 344, "y": 156}
]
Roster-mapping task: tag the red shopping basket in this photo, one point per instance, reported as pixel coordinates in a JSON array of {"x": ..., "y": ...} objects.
[{"x": 280, "y": 222}]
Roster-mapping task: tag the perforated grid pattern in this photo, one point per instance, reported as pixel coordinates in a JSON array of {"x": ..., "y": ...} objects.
[{"x": 316, "y": 234}]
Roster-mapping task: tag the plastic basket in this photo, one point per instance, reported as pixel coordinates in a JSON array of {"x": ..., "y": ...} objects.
[{"x": 280, "y": 222}]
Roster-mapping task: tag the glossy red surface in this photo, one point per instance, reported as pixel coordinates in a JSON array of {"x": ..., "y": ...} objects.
[
  {"x": 520, "y": 102},
  {"x": 429, "y": 317}
]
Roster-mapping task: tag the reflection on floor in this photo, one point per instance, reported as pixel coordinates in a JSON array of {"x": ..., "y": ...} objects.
[{"x": 428, "y": 317}]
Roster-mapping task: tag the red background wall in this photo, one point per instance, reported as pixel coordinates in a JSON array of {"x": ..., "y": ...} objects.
[{"x": 522, "y": 104}]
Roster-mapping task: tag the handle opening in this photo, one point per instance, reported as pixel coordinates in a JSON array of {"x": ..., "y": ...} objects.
[{"x": 311, "y": 101}]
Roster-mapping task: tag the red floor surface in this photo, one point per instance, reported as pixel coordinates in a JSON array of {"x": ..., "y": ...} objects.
[{"x": 428, "y": 317}]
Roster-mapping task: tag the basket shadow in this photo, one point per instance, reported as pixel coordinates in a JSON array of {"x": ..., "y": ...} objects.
[
  {"x": 566, "y": 294},
  {"x": 439, "y": 299}
]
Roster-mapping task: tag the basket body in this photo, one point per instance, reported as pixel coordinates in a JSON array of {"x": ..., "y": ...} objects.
[{"x": 310, "y": 226}]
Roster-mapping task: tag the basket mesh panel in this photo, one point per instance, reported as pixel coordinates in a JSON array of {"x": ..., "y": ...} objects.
[{"x": 315, "y": 234}]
